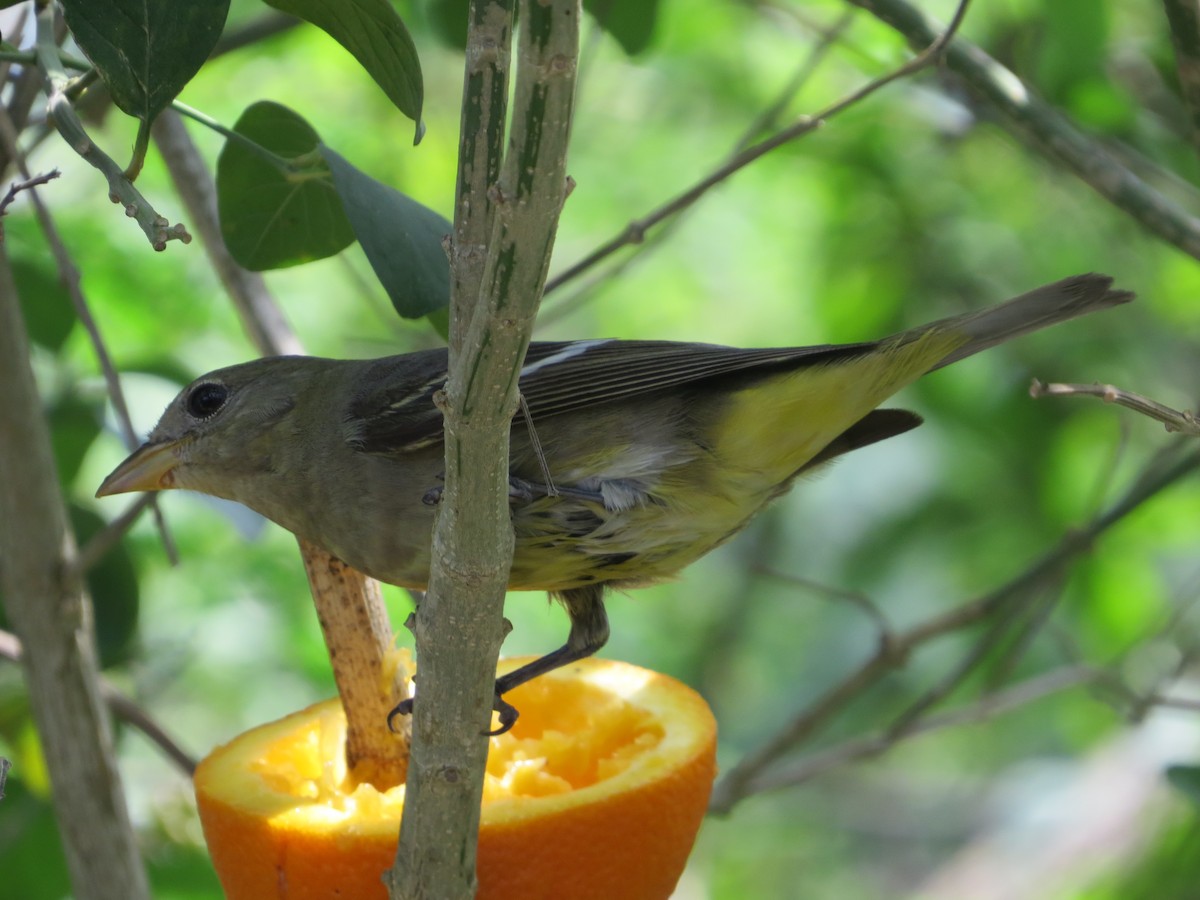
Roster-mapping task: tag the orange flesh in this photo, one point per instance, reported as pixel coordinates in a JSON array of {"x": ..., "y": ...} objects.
[{"x": 597, "y": 792}]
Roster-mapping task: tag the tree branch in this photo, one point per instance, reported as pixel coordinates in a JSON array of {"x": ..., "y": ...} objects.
[
  {"x": 635, "y": 232},
  {"x": 894, "y": 650},
  {"x": 51, "y": 612},
  {"x": 459, "y": 625},
  {"x": 1046, "y": 129}
]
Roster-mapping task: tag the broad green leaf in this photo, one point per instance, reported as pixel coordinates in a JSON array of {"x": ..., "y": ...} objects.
[
  {"x": 283, "y": 211},
  {"x": 146, "y": 50},
  {"x": 402, "y": 239},
  {"x": 45, "y": 304},
  {"x": 630, "y": 22},
  {"x": 374, "y": 33}
]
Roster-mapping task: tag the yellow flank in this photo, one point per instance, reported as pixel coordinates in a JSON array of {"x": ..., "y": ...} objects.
[{"x": 776, "y": 426}]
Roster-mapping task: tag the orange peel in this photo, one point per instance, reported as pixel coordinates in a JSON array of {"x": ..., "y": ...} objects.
[{"x": 597, "y": 792}]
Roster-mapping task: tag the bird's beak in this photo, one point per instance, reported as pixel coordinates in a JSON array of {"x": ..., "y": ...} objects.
[{"x": 151, "y": 467}]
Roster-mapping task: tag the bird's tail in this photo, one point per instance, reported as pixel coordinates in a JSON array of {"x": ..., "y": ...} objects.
[{"x": 1041, "y": 307}]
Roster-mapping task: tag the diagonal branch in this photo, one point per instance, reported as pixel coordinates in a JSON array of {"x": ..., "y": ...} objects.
[
  {"x": 635, "y": 232},
  {"x": 895, "y": 649},
  {"x": 1047, "y": 129}
]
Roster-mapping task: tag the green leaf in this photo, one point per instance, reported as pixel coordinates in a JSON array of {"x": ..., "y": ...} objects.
[
  {"x": 45, "y": 303},
  {"x": 1186, "y": 780},
  {"x": 449, "y": 21},
  {"x": 375, "y": 34},
  {"x": 630, "y": 22},
  {"x": 278, "y": 208},
  {"x": 146, "y": 50},
  {"x": 401, "y": 237}
]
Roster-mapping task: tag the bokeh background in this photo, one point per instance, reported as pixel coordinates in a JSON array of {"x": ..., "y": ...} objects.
[{"x": 914, "y": 204}]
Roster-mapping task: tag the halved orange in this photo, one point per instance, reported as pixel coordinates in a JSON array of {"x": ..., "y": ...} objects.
[{"x": 597, "y": 792}]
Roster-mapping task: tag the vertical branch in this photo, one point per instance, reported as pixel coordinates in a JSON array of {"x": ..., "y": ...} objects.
[
  {"x": 459, "y": 626},
  {"x": 480, "y": 152},
  {"x": 51, "y": 613}
]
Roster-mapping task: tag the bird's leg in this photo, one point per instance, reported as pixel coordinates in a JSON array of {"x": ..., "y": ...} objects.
[
  {"x": 522, "y": 491},
  {"x": 589, "y": 632}
]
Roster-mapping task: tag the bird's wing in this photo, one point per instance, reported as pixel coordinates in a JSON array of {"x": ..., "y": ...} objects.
[{"x": 395, "y": 412}]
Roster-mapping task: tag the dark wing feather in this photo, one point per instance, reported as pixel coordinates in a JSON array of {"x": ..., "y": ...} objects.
[
  {"x": 613, "y": 370},
  {"x": 394, "y": 410}
]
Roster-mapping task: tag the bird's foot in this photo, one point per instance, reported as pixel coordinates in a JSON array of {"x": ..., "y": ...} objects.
[{"x": 508, "y": 714}]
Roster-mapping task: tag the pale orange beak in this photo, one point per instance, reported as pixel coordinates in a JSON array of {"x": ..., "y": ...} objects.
[{"x": 151, "y": 467}]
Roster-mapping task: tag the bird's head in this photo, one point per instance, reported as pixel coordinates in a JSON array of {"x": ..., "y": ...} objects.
[{"x": 223, "y": 428}]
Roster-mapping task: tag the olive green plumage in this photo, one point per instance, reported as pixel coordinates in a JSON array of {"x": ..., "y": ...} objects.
[{"x": 657, "y": 451}]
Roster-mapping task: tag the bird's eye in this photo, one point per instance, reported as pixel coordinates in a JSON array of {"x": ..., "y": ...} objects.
[{"x": 207, "y": 399}]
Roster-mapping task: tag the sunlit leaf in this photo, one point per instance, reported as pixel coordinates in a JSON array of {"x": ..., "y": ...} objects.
[
  {"x": 45, "y": 305},
  {"x": 375, "y": 34},
  {"x": 280, "y": 212},
  {"x": 402, "y": 239}
]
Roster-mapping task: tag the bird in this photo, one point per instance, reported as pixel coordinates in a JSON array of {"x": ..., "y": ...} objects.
[{"x": 637, "y": 457}]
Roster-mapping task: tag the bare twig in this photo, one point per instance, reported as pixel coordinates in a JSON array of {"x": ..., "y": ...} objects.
[
  {"x": 1175, "y": 420},
  {"x": 460, "y": 625},
  {"x": 563, "y": 306},
  {"x": 358, "y": 636},
  {"x": 17, "y": 186},
  {"x": 635, "y": 232},
  {"x": 108, "y": 537}
]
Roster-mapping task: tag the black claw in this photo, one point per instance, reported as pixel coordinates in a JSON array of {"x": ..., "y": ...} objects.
[
  {"x": 403, "y": 708},
  {"x": 508, "y": 715}
]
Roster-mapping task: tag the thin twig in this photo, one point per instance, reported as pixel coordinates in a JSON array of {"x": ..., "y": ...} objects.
[
  {"x": 17, "y": 186},
  {"x": 767, "y": 118},
  {"x": 891, "y": 654},
  {"x": 1175, "y": 420},
  {"x": 987, "y": 707},
  {"x": 635, "y": 232},
  {"x": 122, "y": 706}
]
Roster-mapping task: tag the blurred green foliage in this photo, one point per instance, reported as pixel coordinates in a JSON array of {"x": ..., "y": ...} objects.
[{"x": 912, "y": 205}]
